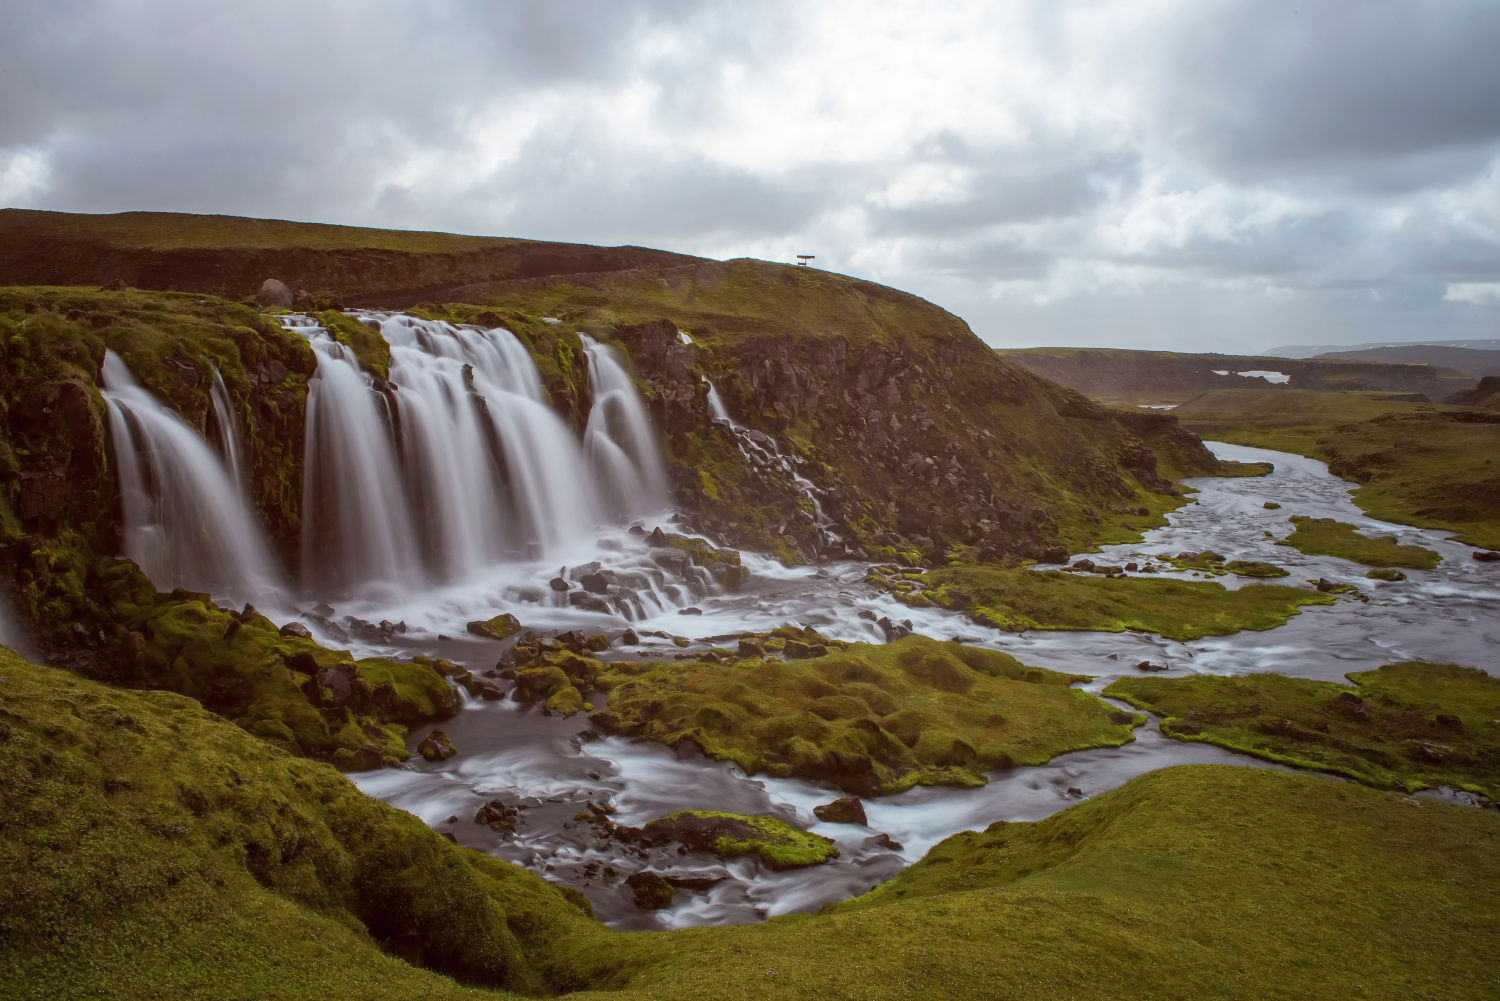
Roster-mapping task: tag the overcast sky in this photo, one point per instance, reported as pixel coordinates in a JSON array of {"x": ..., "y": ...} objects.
[{"x": 1195, "y": 175}]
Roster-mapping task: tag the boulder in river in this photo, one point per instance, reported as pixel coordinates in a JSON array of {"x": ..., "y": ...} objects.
[
  {"x": 650, "y": 890},
  {"x": 1486, "y": 555},
  {"x": 846, "y": 810},
  {"x": 436, "y": 747}
]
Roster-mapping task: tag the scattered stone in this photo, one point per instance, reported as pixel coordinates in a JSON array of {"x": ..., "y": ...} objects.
[
  {"x": 302, "y": 300},
  {"x": 865, "y": 613},
  {"x": 436, "y": 747},
  {"x": 657, "y": 538},
  {"x": 558, "y": 584},
  {"x": 324, "y": 608},
  {"x": 1146, "y": 665},
  {"x": 1449, "y": 722},
  {"x": 1386, "y": 573},
  {"x": 1074, "y": 791},
  {"x": 595, "y": 583},
  {"x": 690, "y": 610},
  {"x": 651, "y": 892},
  {"x": 847, "y": 810},
  {"x": 629, "y": 638},
  {"x": 1271, "y": 506},
  {"x": 274, "y": 294},
  {"x": 296, "y": 629},
  {"x": 751, "y": 648},
  {"x": 886, "y": 841},
  {"x": 498, "y": 628},
  {"x": 695, "y": 879},
  {"x": 1353, "y": 705},
  {"x": 500, "y": 816},
  {"x": 1131, "y": 568},
  {"x": 1486, "y": 555}
]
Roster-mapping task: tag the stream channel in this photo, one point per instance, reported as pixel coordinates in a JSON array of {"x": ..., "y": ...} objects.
[{"x": 551, "y": 769}]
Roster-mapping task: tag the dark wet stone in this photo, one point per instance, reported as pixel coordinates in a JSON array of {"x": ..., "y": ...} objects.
[
  {"x": 629, "y": 638},
  {"x": 436, "y": 747},
  {"x": 886, "y": 841},
  {"x": 691, "y": 610},
  {"x": 558, "y": 584},
  {"x": 650, "y": 890},
  {"x": 847, "y": 810},
  {"x": 595, "y": 583},
  {"x": 1486, "y": 555},
  {"x": 1146, "y": 665},
  {"x": 498, "y": 815},
  {"x": 296, "y": 629}
]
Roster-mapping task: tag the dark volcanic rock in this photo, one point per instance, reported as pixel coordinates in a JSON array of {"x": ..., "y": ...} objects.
[
  {"x": 848, "y": 810},
  {"x": 274, "y": 294}
]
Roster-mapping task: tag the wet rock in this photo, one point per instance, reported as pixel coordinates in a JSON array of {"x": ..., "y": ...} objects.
[
  {"x": 1386, "y": 573},
  {"x": 657, "y": 538},
  {"x": 497, "y": 628},
  {"x": 296, "y": 629},
  {"x": 867, "y": 615},
  {"x": 589, "y": 602},
  {"x": 1271, "y": 506},
  {"x": 336, "y": 684},
  {"x": 1486, "y": 555},
  {"x": 846, "y": 810},
  {"x": 695, "y": 879},
  {"x": 274, "y": 294},
  {"x": 558, "y": 584},
  {"x": 629, "y": 638},
  {"x": 436, "y": 747},
  {"x": 302, "y": 300},
  {"x": 751, "y": 648},
  {"x": 1074, "y": 791},
  {"x": 487, "y": 690},
  {"x": 894, "y": 630},
  {"x": 691, "y": 610},
  {"x": 583, "y": 570},
  {"x": 1146, "y": 665},
  {"x": 595, "y": 583},
  {"x": 498, "y": 815},
  {"x": 393, "y": 627},
  {"x": 650, "y": 890},
  {"x": 886, "y": 841},
  {"x": 597, "y": 643}
]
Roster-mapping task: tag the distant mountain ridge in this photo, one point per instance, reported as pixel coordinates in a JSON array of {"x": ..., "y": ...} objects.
[
  {"x": 1474, "y": 363},
  {"x": 1314, "y": 350}
]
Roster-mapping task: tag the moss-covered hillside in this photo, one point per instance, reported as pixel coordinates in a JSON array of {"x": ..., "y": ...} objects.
[{"x": 149, "y": 849}]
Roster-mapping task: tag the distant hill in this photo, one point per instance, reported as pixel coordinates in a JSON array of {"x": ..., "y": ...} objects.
[
  {"x": 1168, "y": 377},
  {"x": 1474, "y": 363},
  {"x": 230, "y": 256},
  {"x": 1313, "y": 350}
]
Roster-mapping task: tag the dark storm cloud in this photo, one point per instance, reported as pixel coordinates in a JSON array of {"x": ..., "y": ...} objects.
[{"x": 1094, "y": 171}]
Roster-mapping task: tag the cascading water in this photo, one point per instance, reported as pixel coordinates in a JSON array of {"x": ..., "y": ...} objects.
[
  {"x": 226, "y": 432},
  {"x": 457, "y": 463},
  {"x": 619, "y": 439},
  {"x": 185, "y": 522},
  {"x": 759, "y": 449}
]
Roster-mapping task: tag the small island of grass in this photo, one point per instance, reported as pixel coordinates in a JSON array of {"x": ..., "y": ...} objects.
[
  {"x": 1327, "y": 537},
  {"x": 1404, "y": 726}
]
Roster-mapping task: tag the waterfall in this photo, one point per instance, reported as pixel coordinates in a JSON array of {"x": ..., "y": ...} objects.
[
  {"x": 759, "y": 449},
  {"x": 619, "y": 439},
  {"x": 226, "y": 432},
  {"x": 185, "y": 522},
  {"x": 458, "y": 462}
]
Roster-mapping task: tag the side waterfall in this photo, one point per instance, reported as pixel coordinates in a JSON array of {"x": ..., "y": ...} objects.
[
  {"x": 457, "y": 462},
  {"x": 185, "y": 520}
]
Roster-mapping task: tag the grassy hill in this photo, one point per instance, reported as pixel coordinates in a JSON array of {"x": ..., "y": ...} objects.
[
  {"x": 229, "y": 256},
  {"x": 150, "y": 849}
]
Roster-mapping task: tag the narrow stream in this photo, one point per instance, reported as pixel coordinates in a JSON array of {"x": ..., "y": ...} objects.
[{"x": 551, "y": 771}]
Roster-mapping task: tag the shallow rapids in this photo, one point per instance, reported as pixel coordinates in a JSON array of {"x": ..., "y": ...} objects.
[{"x": 552, "y": 770}]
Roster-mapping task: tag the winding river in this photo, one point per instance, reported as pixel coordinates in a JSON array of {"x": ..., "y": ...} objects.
[{"x": 552, "y": 771}]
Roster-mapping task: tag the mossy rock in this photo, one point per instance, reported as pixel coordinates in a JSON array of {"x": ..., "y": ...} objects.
[
  {"x": 1255, "y": 568},
  {"x": 731, "y": 835}
]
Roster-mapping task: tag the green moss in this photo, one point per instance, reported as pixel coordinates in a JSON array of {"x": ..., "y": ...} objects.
[
  {"x": 872, "y": 718},
  {"x": 416, "y": 692},
  {"x": 1386, "y": 574},
  {"x": 369, "y": 347},
  {"x": 150, "y": 850},
  {"x": 731, "y": 835},
  {"x": 1048, "y": 599},
  {"x": 1327, "y": 537},
  {"x": 1412, "y": 725},
  {"x": 1255, "y": 568}
]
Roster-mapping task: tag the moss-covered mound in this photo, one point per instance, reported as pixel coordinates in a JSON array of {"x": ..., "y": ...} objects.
[
  {"x": 149, "y": 849},
  {"x": 730, "y": 835},
  {"x": 1050, "y": 599},
  {"x": 871, "y": 719},
  {"x": 1327, "y": 537},
  {"x": 1405, "y": 726},
  {"x": 1255, "y": 568}
]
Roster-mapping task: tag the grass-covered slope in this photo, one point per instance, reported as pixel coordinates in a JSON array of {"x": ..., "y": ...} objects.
[
  {"x": 230, "y": 256},
  {"x": 1417, "y": 464},
  {"x": 1195, "y": 882},
  {"x": 921, "y": 437},
  {"x": 1411, "y": 725},
  {"x": 871, "y": 719},
  {"x": 1019, "y": 599},
  {"x": 149, "y": 849},
  {"x": 1327, "y": 537}
]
